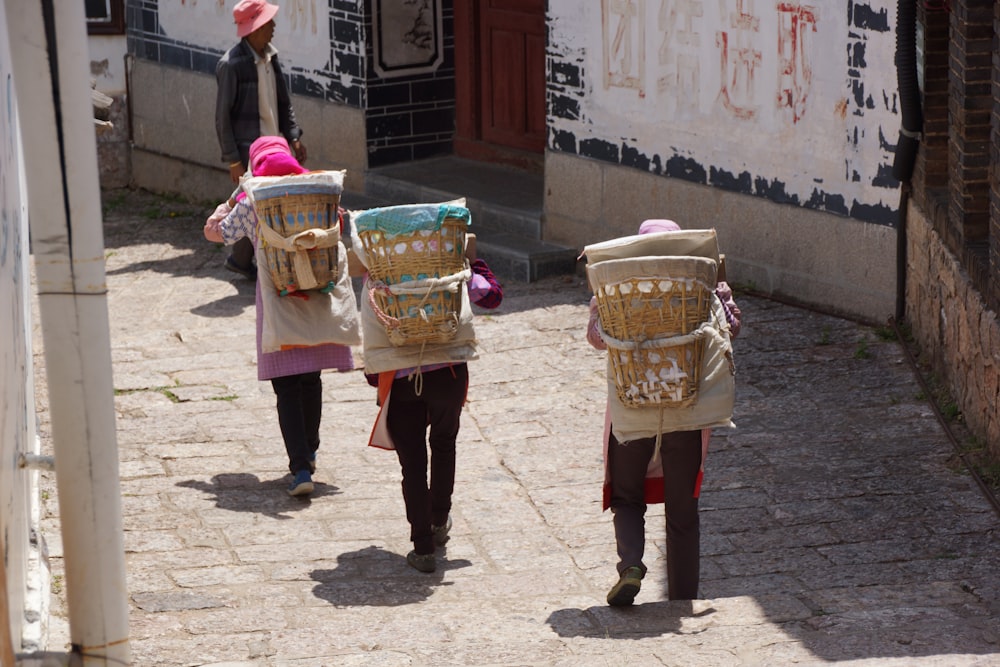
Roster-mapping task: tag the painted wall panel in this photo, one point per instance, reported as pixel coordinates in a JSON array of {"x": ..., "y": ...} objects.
[
  {"x": 17, "y": 407},
  {"x": 792, "y": 101},
  {"x": 322, "y": 49},
  {"x": 300, "y": 26}
]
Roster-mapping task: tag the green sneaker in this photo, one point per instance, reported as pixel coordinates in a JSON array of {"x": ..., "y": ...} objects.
[
  {"x": 623, "y": 593},
  {"x": 421, "y": 562},
  {"x": 440, "y": 533}
]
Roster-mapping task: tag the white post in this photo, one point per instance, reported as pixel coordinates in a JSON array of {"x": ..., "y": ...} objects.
[{"x": 51, "y": 75}]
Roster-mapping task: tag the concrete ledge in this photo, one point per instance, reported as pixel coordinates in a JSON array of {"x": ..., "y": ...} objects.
[{"x": 524, "y": 259}]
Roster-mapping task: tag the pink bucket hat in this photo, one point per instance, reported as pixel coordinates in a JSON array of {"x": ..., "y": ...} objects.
[
  {"x": 252, "y": 14},
  {"x": 654, "y": 226}
]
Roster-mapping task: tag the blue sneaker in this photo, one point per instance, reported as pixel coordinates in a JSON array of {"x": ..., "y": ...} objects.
[{"x": 302, "y": 485}]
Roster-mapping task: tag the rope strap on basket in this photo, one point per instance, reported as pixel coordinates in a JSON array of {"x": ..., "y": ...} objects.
[
  {"x": 649, "y": 343},
  {"x": 424, "y": 287},
  {"x": 299, "y": 245}
]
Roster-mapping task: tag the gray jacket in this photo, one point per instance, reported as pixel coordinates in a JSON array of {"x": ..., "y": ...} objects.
[{"x": 237, "y": 121}]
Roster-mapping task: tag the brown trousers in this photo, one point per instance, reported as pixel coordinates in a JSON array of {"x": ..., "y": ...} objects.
[{"x": 681, "y": 456}]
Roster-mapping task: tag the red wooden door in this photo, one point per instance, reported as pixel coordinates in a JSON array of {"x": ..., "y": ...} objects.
[
  {"x": 500, "y": 76},
  {"x": 512, "y": 69}
]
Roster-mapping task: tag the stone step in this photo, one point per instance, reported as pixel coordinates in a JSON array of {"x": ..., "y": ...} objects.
[{"x": 505, "y": 204}]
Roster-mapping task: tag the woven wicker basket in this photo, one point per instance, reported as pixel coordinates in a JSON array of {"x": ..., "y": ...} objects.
[
  {"x": 427, "y": 315},
  {"x": 648, "y": 309},
  {"x": 289, "y": 210}
]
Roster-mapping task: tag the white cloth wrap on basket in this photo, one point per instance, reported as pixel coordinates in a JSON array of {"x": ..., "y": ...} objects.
[
  {"x": 322, "y": 318},
  {"x": 332, "y": 179},
  {"x": 688, "y": 242},
  {"x": 716, "y": 391},
  {"x": 298, "y": 246}
]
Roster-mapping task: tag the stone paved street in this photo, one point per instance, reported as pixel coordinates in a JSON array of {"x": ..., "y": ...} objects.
[{"x": 836, "y": 525}]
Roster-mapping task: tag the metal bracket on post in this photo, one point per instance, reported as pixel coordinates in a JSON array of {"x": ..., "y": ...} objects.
[{"x": 36, "y": 462}]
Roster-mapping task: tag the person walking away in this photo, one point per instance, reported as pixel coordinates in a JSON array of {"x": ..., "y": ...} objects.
[
  {"x": 422, "y": 386},
  {"x": 294, "y": 371},
  {"x": 252, "y": 101},
  {"x": 637, "y": 473},
  {"x": 434, "y": 401}
]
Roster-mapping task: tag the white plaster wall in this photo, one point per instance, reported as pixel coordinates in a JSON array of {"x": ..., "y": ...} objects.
[
  {"x": 17, "y": 407},
  {"x": 703, "y": 79},
  {"x": 300, "y": 26}
]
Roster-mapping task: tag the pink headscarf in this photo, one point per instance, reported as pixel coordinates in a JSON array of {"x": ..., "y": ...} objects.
[
  {"x": 654, "y": 226},
  {"x": 271, "y": 156}
]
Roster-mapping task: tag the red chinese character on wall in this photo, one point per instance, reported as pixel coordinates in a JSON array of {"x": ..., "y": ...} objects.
[
  {"x": 678, "y": 54},
  {"x": 795, "y": 24},
  {"x": 739, "y": 59},
  {"x": 624, "y": 43}
]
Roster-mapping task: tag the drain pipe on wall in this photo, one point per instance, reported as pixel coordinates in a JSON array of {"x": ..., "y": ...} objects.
[
  {"x": 49, "y": 55},
  {"x": 909, "y": 132}
]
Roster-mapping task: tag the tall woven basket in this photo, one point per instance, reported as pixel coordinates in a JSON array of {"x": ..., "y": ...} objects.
[
  {"x": 650, "y": 310},
  {"x": 415, "y": 257},
  {"x": 289, "y": 209}
]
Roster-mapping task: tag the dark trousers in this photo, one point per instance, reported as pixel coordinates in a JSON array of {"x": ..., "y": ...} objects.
[
  {"x": 439, "y": 405},
  {"x": 681, "y": 456},
  {"x": 242, "y": 253},
  {"x": 300, "y": 407}
]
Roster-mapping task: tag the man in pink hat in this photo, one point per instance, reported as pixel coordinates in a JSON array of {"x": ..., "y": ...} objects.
[{"x": 253, "y": 101}]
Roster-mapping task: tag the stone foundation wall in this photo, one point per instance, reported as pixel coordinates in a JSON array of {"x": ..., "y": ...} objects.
[
  {"x": 175, "y": 148},
  {"x": 113, "y": 150},
  {"x": 954, "y": 327}
]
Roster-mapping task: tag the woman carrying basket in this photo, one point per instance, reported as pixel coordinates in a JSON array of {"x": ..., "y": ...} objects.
[
  {"x": 428, "y": 397},
  {"x": 631, "y": 482},
  {"x": 294, "y": 372}
]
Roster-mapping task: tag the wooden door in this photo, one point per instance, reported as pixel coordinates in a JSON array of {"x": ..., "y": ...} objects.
[{"x": 500, "y": 77}]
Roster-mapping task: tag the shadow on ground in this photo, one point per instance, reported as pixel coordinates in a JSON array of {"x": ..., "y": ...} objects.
[
  {"x": 244, "y": 492},
  {"x": 386, "y": 579}
]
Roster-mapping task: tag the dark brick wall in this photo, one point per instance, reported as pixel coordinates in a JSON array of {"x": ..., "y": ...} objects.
[
  {"x": 955, "y": 180},
  {"x": 970, "y": 102},
  {"x": 993, "y": 296},
  {"x": 341, "y": 81},
  {"x": 930, "y": 174},
  {"x": 411, "y": 117}
]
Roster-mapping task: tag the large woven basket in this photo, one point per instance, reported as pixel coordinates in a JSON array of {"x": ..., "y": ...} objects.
[
  {"x": 288, "y": 210},
  {"x": 650, "y": 310},
  {"x": 415, "y": 285}
]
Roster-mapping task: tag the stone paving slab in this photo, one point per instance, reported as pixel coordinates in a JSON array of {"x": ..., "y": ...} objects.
[{"x": 836, "y": 526}]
